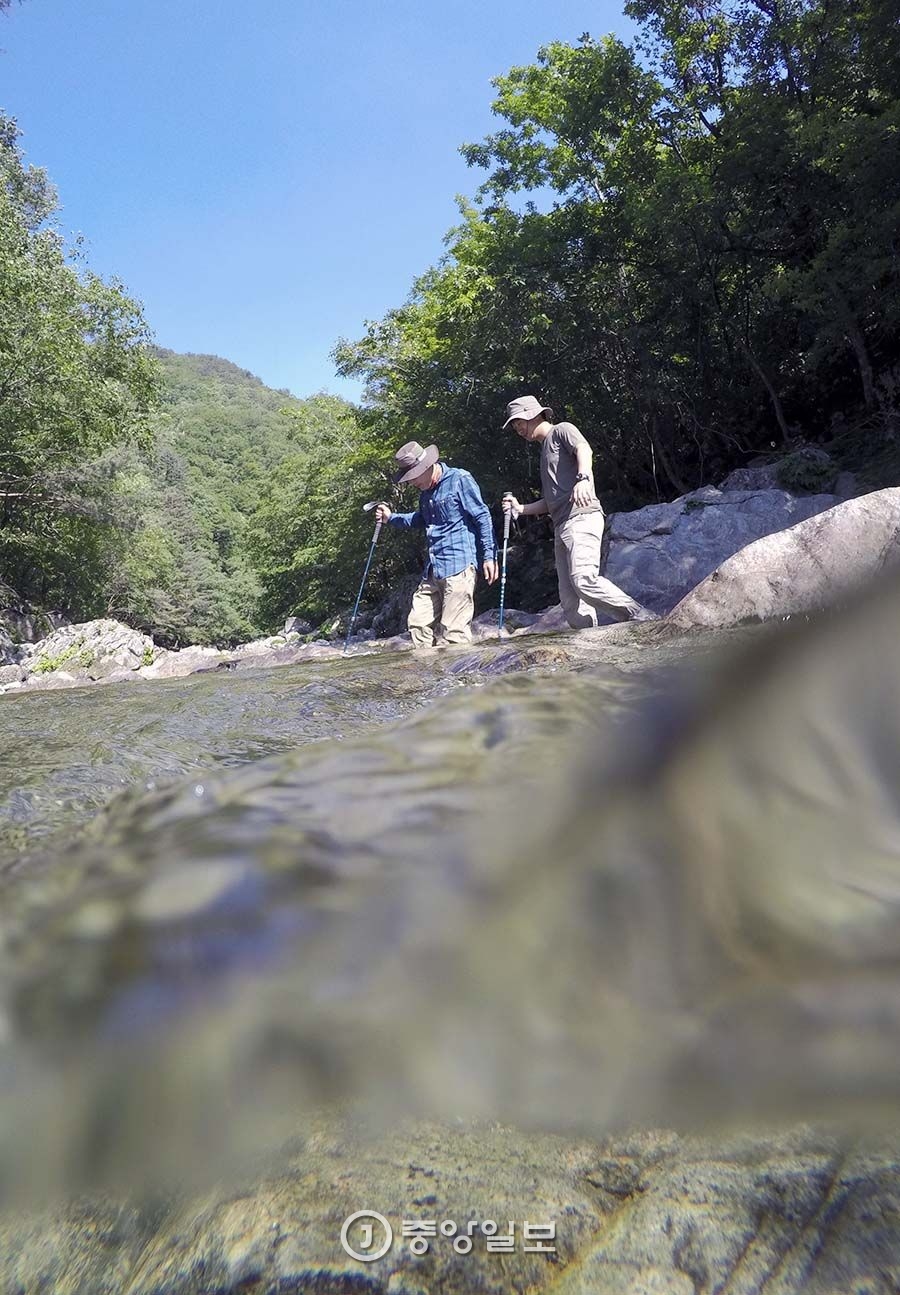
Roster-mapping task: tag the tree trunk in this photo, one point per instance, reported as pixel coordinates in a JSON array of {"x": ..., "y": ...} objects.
[
  {"x": 854, "y": 335},
  {"x": 674, "y": 479},
  {"x": 772, "y": 393},
  {"x": 858, "y": 343}
]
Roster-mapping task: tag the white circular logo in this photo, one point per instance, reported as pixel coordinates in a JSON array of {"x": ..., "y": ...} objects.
[{"x": 368, "y": 1235}]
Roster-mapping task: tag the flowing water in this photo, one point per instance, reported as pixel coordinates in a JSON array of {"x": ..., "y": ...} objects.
[
  {"x": 169, "y": 849},
  {"x": 569, "y": 884}
]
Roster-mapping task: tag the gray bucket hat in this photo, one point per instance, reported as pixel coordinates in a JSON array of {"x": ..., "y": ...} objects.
[
  {"x": 414, "y": 460},
  {"x": 525, "y": 407}
]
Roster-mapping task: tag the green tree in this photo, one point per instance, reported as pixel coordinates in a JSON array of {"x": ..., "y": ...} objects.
[
  {"x": 309, "y": 537},
  {"x": 219, "y": 435},
  {"x": 687, "y": 245},
  {"x": 75, "y": 382}
]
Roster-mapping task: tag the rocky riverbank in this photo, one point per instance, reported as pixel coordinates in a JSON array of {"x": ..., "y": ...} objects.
[{"x": 712, "y": 559}]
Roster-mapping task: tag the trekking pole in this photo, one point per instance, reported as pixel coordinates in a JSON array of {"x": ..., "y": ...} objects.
[
  {"x": 366, "y": 508},
  {"x": 507, "y": 518}
]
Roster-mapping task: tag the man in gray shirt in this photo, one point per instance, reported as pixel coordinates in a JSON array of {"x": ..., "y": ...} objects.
[{"x": 568, "y": 485}]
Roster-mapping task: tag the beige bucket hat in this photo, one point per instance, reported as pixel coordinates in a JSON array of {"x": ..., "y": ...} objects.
[{"x": 525, "y": 407}]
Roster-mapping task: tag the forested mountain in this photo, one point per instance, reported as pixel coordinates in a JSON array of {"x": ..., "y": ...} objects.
[
  {"x": 237, "y": 502},
  {"x": 218, "y": 435}
]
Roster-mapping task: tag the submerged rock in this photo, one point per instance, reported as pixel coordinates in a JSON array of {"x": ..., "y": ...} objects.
[{"x": 792, "y": 1211}]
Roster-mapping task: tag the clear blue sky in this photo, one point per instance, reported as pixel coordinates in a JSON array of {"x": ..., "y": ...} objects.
[{"x": 266, "y": 175}]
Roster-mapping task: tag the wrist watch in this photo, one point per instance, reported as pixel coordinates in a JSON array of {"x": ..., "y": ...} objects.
[{"x": 583, "y": 476}]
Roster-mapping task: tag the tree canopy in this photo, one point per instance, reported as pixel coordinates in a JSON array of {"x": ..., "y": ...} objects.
[
  {"x": 76, "y": 383},
  {"x": 687, "y": 245}
]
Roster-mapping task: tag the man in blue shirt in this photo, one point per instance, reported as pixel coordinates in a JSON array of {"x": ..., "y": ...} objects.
[{"x": 460, "y": 537}]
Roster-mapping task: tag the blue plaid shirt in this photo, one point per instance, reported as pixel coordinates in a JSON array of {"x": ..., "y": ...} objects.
[{"x": 456, "y": 521}]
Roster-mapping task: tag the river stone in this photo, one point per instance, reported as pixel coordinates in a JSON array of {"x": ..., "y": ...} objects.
[
  {"x": 9, "y": 650},
  {"x": 782, "y": 1210},
  {"x": 486, "y": 626},
  {"x": 296, "y": 625},
  {"x": 260, "y": 647},
  {"x": 802, "y": 569},
  {"x": 550, "y": 621},
  {"x": 541, "y": 657},
  {"x": 92, "y": 650},
  {"x": 11, "y": 674},
  {"x": 175, "y": 665},
  {"x": 61, "y": 678},
  {"x": 807, "y": 469},
  {"x": 660, "y": 552},
  {"x": 759, "y": 476},
  {"x": 795, "y": 1212}
]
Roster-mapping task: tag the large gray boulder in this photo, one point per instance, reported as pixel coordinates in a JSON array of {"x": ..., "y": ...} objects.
[
  {"x": 296, "y": 625},
  {"x": 189, "y": 660},
  {"x": 90, "y": 651},
  {"x": 9, "y": 649},
  {"x": 27, "y": 627},
  {"x": 802, "y": 569},
  {"x": 660, "y": 552}
]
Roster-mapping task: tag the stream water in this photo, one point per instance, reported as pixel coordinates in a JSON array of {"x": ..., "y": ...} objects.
[
  {"x": 567, "y": 883},
  {"x": 171, "y": 853}
]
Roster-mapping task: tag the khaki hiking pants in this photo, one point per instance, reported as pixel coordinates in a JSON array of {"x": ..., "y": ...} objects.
[
  {"x": 442, "y": 610},
  {"x": 582, "y": 590}
]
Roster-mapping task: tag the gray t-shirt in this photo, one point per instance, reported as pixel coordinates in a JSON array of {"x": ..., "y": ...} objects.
[{"x": 559, "y": 468}]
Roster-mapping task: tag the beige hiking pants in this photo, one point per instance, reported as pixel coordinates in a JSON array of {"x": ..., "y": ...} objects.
[
  {"x": 582, "y": 590},
  {"x": 442, "y": 610}
]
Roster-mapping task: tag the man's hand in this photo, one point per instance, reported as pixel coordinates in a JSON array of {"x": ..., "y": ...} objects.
[
  {"x": 512, "y": 505},
  {"x": 382, "y": 513},
  {"x": 489, "y": 570},
  {"x": 583, "y": 494}
]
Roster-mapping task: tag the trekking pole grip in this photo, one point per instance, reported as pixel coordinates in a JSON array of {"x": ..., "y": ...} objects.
[{"x": 507, "y": 515}]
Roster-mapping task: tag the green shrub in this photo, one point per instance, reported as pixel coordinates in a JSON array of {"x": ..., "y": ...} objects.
[
  {"x": 47, "y": 664},
  {"x": 805, "y": 473}
]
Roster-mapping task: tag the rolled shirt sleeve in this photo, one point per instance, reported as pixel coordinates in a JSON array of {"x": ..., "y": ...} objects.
[{"x": 406, "y": 521}]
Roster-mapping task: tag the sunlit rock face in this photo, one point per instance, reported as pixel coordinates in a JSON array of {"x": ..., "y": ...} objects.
[
  {"x": 809, "y": 566},
  {"x": 660, "y": 552},
  {"x": 90, "y": 651}
]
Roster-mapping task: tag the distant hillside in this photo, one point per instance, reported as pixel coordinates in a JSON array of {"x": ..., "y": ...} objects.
[{"x": 219, "y": 436}]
